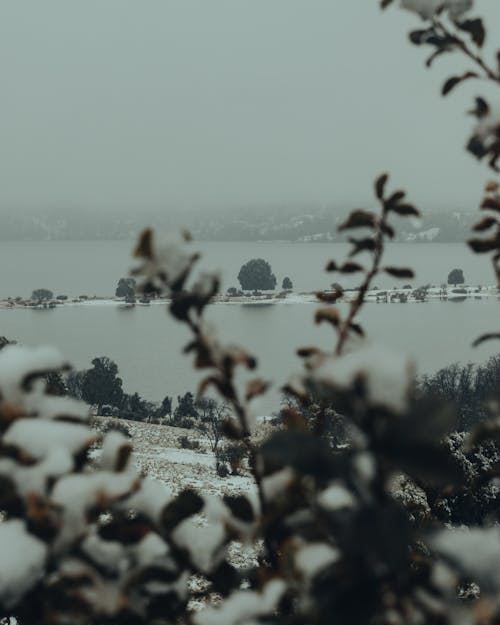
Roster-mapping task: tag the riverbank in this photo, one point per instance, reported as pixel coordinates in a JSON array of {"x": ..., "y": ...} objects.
[{"x": 378, "y": 296}]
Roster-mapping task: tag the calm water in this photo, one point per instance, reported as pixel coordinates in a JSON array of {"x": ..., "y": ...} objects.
[
  {"x": 93, "y": 268},
  {"x": 146, "y": 343}
]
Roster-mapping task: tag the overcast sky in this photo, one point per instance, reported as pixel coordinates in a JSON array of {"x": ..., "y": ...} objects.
[{"x": 161, "y": 103}]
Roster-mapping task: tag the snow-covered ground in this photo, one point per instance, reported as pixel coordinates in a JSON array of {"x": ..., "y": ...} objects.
[{"x": 157, "y": 452}]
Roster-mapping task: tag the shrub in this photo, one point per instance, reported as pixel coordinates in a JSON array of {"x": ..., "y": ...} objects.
[{"x": 184, "y": 442}]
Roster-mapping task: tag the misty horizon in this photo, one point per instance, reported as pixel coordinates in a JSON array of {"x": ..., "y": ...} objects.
[{"x": 185, "y": 106}]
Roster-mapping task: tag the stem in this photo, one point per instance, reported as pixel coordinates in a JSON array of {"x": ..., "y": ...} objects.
[
  {"x": 478, "y": 60},
  {"x": 356, "y": 305}
]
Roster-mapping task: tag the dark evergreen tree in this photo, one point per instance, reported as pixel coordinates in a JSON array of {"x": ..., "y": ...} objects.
[
  {"x": 456, "y": 276},
  {"x": 125, "y": 288},
  {"x": 101, "y": 384},
  {"x": 42, "y": 294},
  {"x": 256, "y": 274}
]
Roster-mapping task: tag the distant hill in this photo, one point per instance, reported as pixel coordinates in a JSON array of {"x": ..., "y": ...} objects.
[{"x": 250, "y": 225}]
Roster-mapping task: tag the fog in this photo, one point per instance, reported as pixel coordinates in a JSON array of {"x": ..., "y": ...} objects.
[{"x": 179, "y": 104}]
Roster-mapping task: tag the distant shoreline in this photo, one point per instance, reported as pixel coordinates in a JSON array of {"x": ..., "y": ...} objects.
[{"x": 377, "y": 296}]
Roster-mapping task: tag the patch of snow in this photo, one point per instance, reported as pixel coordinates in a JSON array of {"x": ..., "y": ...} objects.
[
  {"x": 22, "y": 561},
  {"x": 243, "y": 606},
  {"x": 336, "y": 497},
  {"x": 313, "y": 557},
  {"x": 277, "y": 482},
  {"x": 475, "y": 550}
]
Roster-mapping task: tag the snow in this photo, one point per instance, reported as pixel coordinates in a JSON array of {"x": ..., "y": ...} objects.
[
  {"x": 150, "y": 499},
  {"x": 201, "y": 542},
  {"x": 364, "y": 462},
  {"x": 475, "y": 550},
  {"x": 76, "y": 493},
  {"x": 33, "y": 479},
  {"x": 22, "y": 561},
  {"x": 163, "y": 254},
  {"x": 387, "y": 374},
  {"x": 276, "y": 483},
  {"x": 16, "y": 362},
  {"x": 109, "y": 554},
  {"x": 243, "y": 606},
  {"x": 312, "y": 558},
  {"x": 185, "y": 456},
  {"x": 113, "y": 442},
  {"x": 38, "y": 437},
  {"x": 336, "y": 497},
  {"x": 149, "y": 549}
]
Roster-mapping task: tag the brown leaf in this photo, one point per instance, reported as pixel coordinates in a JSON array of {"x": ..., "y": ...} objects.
[
  {"x": 369, "y": 244},
  {"x": 480, "y": 246},
  {"x": 351, "y": 267},
  {"x": 400, "y": 272},
  {"x": 476, "y": 30},
  {"x": 482, "y": 108},
  {"x": 394, "y": 199},
  {"x": 491, "y": 203},
  {"x": 452, "y": 82},
  {"x": 381, "y": 181},
  {"x": 486, "y": 337},
  {"x": 405, "y": 210},
  {"x": 255, "y": 388},
  {"x": 331, "y": 315},
  {"x": 144, "y": 247},
  {"x": 485, "y": 224},
  {"x": 491, "y": 186},
  {"x": 358, "y": 219},
  {"x": 307, "y": 352},
  {"x": 357, "y": 329}
]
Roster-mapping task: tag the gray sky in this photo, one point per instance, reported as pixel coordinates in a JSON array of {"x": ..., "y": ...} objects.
[{"x": 201, "y": 103}]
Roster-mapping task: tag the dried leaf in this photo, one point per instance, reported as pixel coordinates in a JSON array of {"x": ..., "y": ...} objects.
[
  {"x": 394, "y": 200},
  {"x": 480, "y": 246},
  {"x": 255, "y": 388},
  {"x": 485, "y": 224},
  {"x": 368, "y": 244},
  {"x": 405, "y": 210},
  {"x": 357, "y": 329},
  {"x": 144, "y": 247},
  {"x": 351, "y": 267},
  {"x": 358, "y": 219},
  {"x": 307, "y": 352},
  {"x": 486, "y": 337},
  {"x": 400, "y": 272},
  {"x": 380, "y": 185},
  {"x": 331, "y": 315},
  {"x": 452, "y": 82},
  {"x": 482, "y": 108},
  {"x": 491, "y": 203},
  {"x": 476, "y": 30}
]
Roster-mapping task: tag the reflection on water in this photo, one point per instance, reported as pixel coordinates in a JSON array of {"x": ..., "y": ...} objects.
[{"x": 147, "y": 344}]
